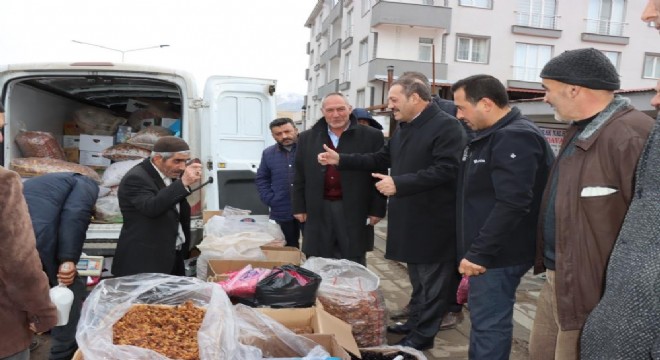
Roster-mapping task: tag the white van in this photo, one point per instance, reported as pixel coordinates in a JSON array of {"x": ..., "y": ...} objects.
[{"x": 227, "y": 129}]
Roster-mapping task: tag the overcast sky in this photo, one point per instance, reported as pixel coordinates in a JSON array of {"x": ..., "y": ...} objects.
[{"x": 256, "y": 38}]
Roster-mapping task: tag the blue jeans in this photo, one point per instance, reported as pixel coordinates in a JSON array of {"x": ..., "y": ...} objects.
[
  {"x": 491, "y": 299},
  {"x": 63, "y": 338}
]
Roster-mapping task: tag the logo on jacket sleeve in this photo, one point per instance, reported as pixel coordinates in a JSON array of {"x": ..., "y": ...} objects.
[{"x": 513, "y": 156}]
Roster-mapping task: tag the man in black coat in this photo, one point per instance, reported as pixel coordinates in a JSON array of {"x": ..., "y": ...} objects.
[
  {"x": 155, "y": 235},
  {"x": 60, "y": 206},
  {"x": 501, "y": 180},
  {"x": 337, "y": 207},
  {"x": 424, "y": 157}
]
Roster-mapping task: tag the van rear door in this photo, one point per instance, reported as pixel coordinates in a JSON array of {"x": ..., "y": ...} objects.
[{"x": 235, "y": 131}]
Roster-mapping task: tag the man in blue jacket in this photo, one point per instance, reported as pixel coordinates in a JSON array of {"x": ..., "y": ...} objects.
[
  {"x": 275, "y": 178},
  {"x": 60, "y": 206},
  {"x": 501, "y": 180}
]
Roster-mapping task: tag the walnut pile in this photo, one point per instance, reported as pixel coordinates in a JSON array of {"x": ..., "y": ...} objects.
[{"x": 169, "y": 330}]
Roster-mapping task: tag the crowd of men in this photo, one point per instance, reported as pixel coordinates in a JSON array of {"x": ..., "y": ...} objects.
[{"x": 472, "y": 189}]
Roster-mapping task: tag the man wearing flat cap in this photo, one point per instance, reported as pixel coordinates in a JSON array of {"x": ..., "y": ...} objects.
[
  {"x": 588, "y": 193},
  {"x": 155, "y": 235}
]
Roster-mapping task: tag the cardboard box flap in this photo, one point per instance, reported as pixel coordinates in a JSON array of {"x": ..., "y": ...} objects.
[
  {"x": 329, "y": 343},
  {"x": 320, "y": 320},
  {"x": 329, "y": 324}
]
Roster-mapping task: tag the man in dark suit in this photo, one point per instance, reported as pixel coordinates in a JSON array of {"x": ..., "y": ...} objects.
[
  {"x": 424, "y": 155},
  {"x": 155, "y": 235}
]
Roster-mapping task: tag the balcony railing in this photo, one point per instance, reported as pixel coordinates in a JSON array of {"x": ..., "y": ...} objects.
[
  {"x": 537, "y": 20},
  {"x": 605, "y": 27}
]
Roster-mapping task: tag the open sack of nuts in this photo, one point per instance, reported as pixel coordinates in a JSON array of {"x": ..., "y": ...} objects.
[{"x": 197, "y": 317}]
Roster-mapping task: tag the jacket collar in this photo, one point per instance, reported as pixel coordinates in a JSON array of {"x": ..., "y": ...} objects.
[
  {"x": 429, "y": 111},
  {"x": 505, "y": 121},
  {"x": 152, "y": 172},
  {"x": 618, "y": 103}
]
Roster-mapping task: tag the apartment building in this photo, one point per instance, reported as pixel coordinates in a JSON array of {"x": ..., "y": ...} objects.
[{"x": 353, "y": 43}]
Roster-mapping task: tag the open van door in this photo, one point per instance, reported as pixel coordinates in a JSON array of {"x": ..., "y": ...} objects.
[{"x": 235, "y": 119}]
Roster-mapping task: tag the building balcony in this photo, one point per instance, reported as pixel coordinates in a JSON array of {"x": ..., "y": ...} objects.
[
  {"x": 334, "y": 14},
  {"x": 333, "y": 51},
  {"x": 378, "y": 68},
  {"x": 536, "y": 24},
  {"x": 329, "y": 88},
  {"x": 397, "y": 13},
  {"x": 525, "y": 78},
  {"x": 605, "y": 31}
]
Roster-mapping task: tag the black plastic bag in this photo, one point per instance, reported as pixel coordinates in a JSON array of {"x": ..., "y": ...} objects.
[{"x": 283, "y": 288}]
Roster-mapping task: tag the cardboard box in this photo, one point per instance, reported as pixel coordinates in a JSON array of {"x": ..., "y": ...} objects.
[
  {"x": 70, "y": 128},
  {"x": 71, "y": 141},
  {"x": 72, "y": 155},
  {"x": 319, "y": 320},
  {"x": 208, "y": 214},
  {"x": 96, "y": 143},
  {"x": 93, "y": 158},
  {"x": 283, "y": 253}
]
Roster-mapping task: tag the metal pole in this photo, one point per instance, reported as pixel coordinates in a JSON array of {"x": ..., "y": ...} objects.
[{"x": 433, "y": 69}]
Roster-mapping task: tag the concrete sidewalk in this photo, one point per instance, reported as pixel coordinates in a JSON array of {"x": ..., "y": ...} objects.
[{"x": 450, "y": 344}]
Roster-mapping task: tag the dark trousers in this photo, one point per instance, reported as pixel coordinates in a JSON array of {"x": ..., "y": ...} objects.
[
  {"x": 336, "y": 235},
  {"x": 491, "y": 299},
  {"x": 291, "y": 230},
  {"x": 179, "y": 268},
  {"x": 63, "y": 338},
  {"x": 432, "y": 294}
]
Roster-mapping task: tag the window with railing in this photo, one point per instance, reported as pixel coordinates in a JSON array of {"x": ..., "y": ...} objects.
[
  {"x": 529, "y": 60},
  {"x": 346, "y": 75},
  {"x": 486, "y": 4},
  {"x": 364, "y": 51},
  {"x": 472, "y": 49},
  {"x": 652, "y": 66},
  {"x": 360, "y": 99},
  {"x": 348, "y": 32},
  {"x": 606, "y": 17},
  {"x": 537, "y": 13}
]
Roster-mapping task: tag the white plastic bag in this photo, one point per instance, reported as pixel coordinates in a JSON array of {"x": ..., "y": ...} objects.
[{"x": 114, "y": 173}]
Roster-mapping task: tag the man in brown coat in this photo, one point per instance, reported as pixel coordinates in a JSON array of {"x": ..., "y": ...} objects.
[
  {"x": 25, "y": 306},
  {"x": 587, "y": 195}
]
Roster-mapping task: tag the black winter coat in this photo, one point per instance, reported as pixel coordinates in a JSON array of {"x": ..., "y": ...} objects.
[
  {"x": 60, "y": 206},
  {"x": 424, "y": 158},
  {"x": 503, "y": 173},
  {"x": 147, "y": 242},
  {"x": 359, "y": 194}
]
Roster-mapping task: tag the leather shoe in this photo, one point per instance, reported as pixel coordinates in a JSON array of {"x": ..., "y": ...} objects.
[
  {"x": 451, "y": 319},
  {"x": 421, "y": 346},
  {"x": 399, "y": 328}
]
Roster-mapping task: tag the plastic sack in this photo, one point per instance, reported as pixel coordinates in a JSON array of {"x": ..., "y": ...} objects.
[
  {"x": 272, "y": 338},
  {"x": 463, "y": 290},
  {"x": 147, "y": 137},
  {"x": 231, "y": 237},
  {"x": 29, "y": 167},
  {"x": 95, "y": 121},
  {"x": 112, "y": 298},
  {"x": 124, "y": 151},
  {"x": 350, "y": 292},
  {"x": 288, "y": 286},
  {"x": 39, "y": 144},
  {"x": 106, "y": 210},
  {"x": 114, "y": 173},
  {"x": 243, "y": 283}
]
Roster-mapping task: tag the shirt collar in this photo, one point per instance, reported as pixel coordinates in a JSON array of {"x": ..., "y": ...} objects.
[{"x": 162, "y": 176}]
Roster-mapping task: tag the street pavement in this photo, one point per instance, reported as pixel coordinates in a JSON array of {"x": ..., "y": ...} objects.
[{"x": 453, "y": 343}]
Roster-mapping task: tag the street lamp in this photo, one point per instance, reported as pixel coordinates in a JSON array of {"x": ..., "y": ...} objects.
[{"x": 123, "y": 52}]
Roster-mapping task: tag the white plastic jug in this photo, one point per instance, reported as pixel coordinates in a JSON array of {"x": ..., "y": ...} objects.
[{"x": 62, "y": 297}]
